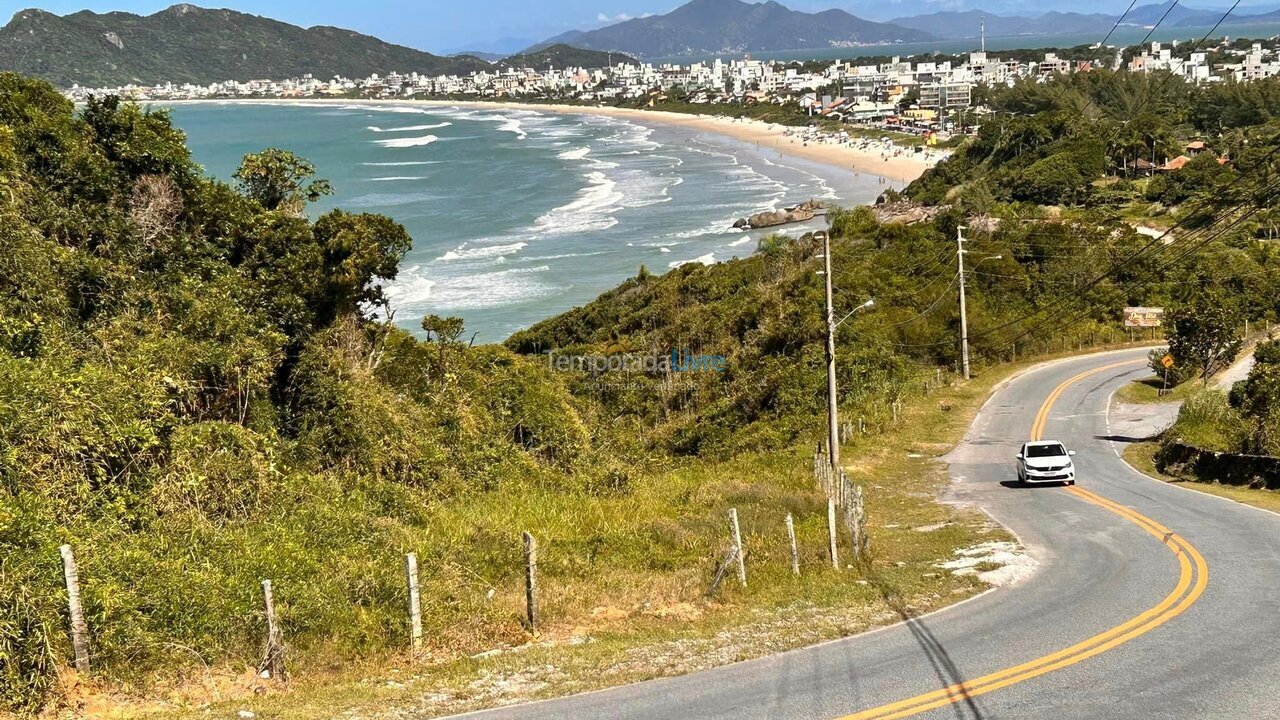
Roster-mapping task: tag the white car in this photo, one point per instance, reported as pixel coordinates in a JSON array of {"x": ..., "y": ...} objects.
[{"x": 1043, "y": 461}]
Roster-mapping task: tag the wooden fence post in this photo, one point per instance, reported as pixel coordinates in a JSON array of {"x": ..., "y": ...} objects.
[
  {"x": 791, "y": 538},
  {"x": 273, "y": 659},
  {"x": 856, "y": 517},
  {"x": 79, "y": 628},
  {"x": 415, "y": 601},
  {"x": 531, "y": 581},
  {"x": 722, "y": 570},
  {"x": 831, "y": 533},
  {"x": 737, "y": 542}
]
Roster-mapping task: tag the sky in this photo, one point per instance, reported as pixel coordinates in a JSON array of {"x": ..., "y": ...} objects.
[{"x": 451, "y": 25}]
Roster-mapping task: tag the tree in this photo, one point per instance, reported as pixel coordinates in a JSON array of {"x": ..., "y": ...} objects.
[
  {"x": 356, "y": 251},
  {"x": 1203, "y": 335},
  {"x": 278, "y": 180},
  {"x": 446, "y": 330}
]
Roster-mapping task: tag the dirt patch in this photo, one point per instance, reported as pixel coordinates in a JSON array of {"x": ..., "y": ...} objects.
[{"x": 995, "y": 563}]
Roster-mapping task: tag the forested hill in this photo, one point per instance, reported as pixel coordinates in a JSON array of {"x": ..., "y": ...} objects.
[
  {"x": 185, "y": 43},
  {"x": 562, "y": 56}
]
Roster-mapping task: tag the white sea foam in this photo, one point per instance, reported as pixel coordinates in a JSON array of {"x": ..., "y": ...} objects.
[
  {"x": 402, "y": 163},
  {"x": 407, "y": 142},
  {"x": 410, "y": 287},
  {"x": 398, "y": 178},
  {"x": 462, "y": 252},
  {"x": 413, "y": 292},
  {"x": 410, "y": 128},
  {"x": 743, "y": 241},
  {"x": 591, "y": 210},
  {"x": 708, "y": 259},
  {"x": 513, "y": 126},
  {"x": 577, "y": 154},
  {"x": 544, "y": 258}
]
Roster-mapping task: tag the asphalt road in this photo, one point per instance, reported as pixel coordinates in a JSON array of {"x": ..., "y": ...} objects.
[{"x": 1151, "y": 601}]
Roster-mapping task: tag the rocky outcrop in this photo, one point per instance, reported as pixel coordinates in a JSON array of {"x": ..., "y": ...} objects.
[
  {"x": 905, "y": 212},
  {"x": 807, "y": 210}
]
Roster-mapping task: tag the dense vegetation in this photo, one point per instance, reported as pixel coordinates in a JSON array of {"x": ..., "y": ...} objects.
[
  {"x": 193, "y": 394},
  {"x": 199, "y": 388},
  {"x": 185, "y": 43},
  {"x": 1070, "y": 149},
  {"x": 1077, "y": 142}
]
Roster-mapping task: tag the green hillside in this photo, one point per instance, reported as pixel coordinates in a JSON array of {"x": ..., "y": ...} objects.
[
  {"x": 198, "y": 391},
  {"x": 559, "y": 57},
  {"x": 185, "y": 43}
]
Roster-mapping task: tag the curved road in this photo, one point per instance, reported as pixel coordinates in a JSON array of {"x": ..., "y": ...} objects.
[{"x": 1151, "y": 601}]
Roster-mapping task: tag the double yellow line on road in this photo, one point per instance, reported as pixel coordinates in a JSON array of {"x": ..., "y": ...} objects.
[{"x": 1193, "y": 576}]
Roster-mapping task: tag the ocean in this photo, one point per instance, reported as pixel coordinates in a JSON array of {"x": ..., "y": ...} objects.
[{"x": 519, "y": 215}]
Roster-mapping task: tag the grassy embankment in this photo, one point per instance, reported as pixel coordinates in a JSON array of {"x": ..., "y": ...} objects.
[
  {"x": 1141, "y": 456},
  {"x": 608, "y": 622}
]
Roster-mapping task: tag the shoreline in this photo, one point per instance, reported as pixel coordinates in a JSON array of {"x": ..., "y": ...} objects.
[{"x": 874, "y": 159}]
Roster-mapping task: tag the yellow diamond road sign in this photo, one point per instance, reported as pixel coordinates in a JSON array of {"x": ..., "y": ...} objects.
[{"x": 1167, "y": 361}]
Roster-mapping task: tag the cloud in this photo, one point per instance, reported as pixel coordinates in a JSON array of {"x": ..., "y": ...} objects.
[{"x": 607, "y": 19}]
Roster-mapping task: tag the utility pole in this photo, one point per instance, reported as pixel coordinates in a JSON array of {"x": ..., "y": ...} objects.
[
  {"x": 964, "y": 320},
  {"x": 833, "y": 420}
]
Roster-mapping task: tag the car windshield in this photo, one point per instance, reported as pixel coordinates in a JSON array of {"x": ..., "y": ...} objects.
[{"x": 1044, "y": 451}]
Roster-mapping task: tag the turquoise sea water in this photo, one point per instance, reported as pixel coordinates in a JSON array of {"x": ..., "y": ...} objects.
[{"x": 520, "y": 215}]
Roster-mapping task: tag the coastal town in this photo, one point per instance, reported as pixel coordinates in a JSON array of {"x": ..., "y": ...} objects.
[{"x": 842, "y": 90}]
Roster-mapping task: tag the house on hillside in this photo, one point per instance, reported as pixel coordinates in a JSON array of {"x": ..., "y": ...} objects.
[{"x": 1141, "y": 168}]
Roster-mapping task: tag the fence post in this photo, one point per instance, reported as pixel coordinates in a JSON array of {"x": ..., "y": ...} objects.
[
  {"x": 722, "y": 570},
  {"x": 79, "y": 628},
  {"x": 737, "y": 542},
  {"x": 531, "y": 581},
  {"x": 415, "y": 602},
  {"x": 831, "y": 533},
  {"x": 791, "y": 538},
  {"x": 857, "y": 519},
  {"x": 273, "y": 662}
]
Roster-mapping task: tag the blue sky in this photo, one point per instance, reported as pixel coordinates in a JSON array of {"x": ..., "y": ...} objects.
[{"x": 440, "y": 25}]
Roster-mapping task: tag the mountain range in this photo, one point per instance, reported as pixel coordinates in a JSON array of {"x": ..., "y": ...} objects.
[
  {"x": 957, "y": 25},
  {"x": 733, "y": 26},
  {"x": 185, "y": 43}
]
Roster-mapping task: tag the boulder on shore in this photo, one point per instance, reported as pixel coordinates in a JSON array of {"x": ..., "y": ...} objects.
[{"x": 804, "y": 211}]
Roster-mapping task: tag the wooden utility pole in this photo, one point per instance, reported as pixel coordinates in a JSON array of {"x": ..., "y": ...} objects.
[
  {"x": 833, "y": 412},
  {"x": 79, "y": 628},
  {"x": 964, "y": 320}
]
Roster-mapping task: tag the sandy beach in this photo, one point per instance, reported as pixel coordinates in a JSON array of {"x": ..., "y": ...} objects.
[
  {"x": 876, "y": 158},
  {"x": 855, "y": 155}
]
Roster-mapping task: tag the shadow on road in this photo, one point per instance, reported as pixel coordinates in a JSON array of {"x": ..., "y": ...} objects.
[
  {"x": 1122, "y": 438},
  {"x": 935, "y": 652}
]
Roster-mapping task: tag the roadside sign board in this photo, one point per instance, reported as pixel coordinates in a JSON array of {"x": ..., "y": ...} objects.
[
  {"x": 1143, "y": 317},
  {"x": 1167, "y": 361}
]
